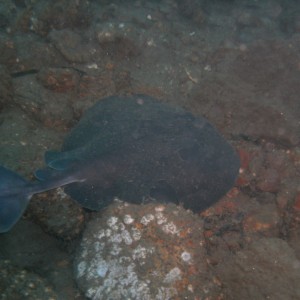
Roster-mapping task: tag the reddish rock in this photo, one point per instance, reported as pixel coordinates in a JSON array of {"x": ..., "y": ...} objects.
[
  {"x": 41, "y": 17},
  {"x": 268, "y": 92},
  {"x": 282, "y": 200},
  {"x": 266, "y": 269},
  {"x": 269, "y": 180},
  {"x": 296, "y": 205},
  {"x": 264, "y": 221},
  {"x": 277, "y": 159},
  {"x": 59, "y": 79},
  {"x": 243, "y": 180},
  {"x": 53, "y": 110},
  {"x": 57, "y": 214},
  {"x": 73, "y": 46},
  {"x": 244, "y": 158}
]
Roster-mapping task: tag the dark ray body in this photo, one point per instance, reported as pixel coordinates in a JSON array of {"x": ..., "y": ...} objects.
[{"x": 137, "y": 148}]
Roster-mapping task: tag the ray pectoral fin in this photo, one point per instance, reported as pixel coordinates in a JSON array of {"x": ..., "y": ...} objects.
[
  {"x": 63, "y": 164},
  {"x": 51, "y": 179},
  {"x": 49, "y": 174},
  {"x": 43, "y": 174},
  {"x": 62, "y": 160},
  {"x": 50, "y": 156}
]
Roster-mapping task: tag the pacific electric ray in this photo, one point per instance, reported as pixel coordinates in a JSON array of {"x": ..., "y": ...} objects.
[{"x": 134, "y": 148}]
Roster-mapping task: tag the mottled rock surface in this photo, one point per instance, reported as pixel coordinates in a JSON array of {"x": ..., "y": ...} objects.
[
  {"x": 144, "y": 252},
  {"x": 268, "y": 268},
  {"x": 17, "y": 283},
  {"x": 234, "y": 62}
]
